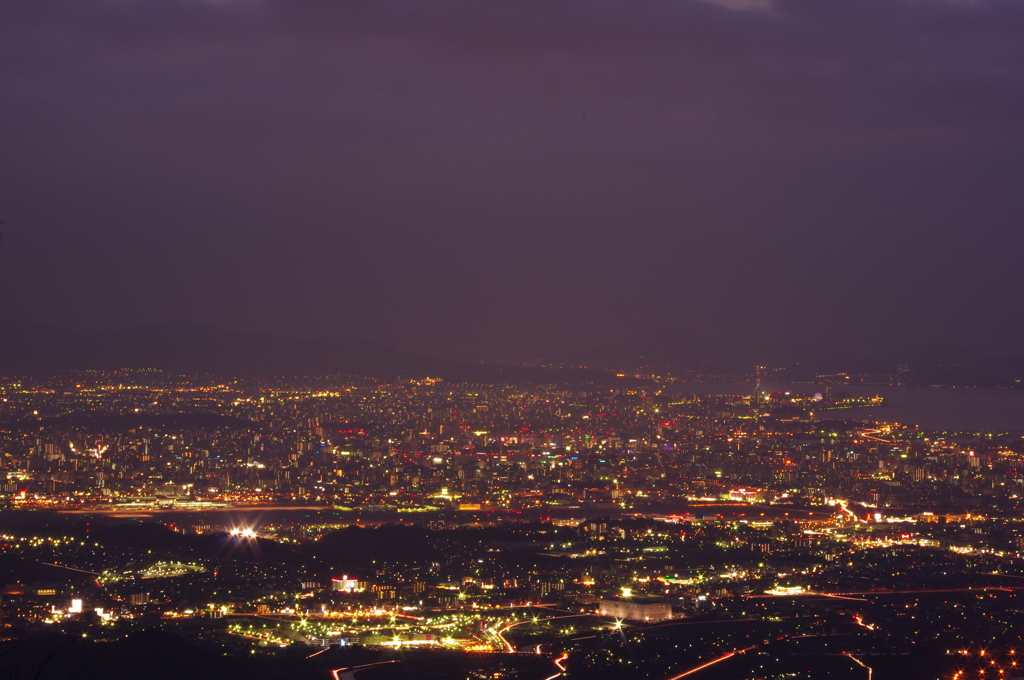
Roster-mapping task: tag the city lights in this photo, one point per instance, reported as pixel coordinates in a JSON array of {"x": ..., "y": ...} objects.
[{"x": 560, "y": 531}]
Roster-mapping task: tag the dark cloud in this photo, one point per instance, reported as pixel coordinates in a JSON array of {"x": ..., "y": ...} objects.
[{"x": 456, "y": 174}]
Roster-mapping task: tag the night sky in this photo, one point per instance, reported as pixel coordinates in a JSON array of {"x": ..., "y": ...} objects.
[{"x": 482, "y": 177}]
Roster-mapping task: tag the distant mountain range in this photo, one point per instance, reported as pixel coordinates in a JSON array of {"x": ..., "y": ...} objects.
[
  {"x": 37, "y": 349},
  {"x": 675, "y": 350},
  {"x": 194, "y": 348}
]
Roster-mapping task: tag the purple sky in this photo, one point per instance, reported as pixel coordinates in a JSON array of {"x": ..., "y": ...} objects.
[{"x": 466, "y": 176}]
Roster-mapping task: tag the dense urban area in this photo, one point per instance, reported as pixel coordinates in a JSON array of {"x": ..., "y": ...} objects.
[{"x": 155, "y": 525}]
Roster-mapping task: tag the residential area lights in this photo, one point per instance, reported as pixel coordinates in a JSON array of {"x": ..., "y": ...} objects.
[{"x": 560, "y": 529}]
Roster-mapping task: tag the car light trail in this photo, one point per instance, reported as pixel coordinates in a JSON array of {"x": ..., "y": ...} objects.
[
  {"x": 508, "y": 646},
  {"x": 350, "y": 670},
  {"x": 561, "y": 666},
  {"x": 712, "y": 662},
  {"x": 860, "y": 622},
  {"x": 862, "y": 664}
]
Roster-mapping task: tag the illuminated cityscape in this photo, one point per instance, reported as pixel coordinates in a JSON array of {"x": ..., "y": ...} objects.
[
  {"x": 507, "y": 531},
  {"x": 510, "y": 340}
]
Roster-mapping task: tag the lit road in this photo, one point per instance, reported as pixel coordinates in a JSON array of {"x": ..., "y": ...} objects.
[
  {"x": 729, "y": 655},
  {"x": 508, "y": 645},
  {"x": 349, "y": 672},
  {"x": 871, "y": 671},
  {"x": 865, "y": 435},
  {"x": 860, "y": 594},
  {"x": 712, "y": 662},
  {"x": 61, "y": 566},
  {"x": 560, "y": 663},
  {"x": 844, "y": 506}
]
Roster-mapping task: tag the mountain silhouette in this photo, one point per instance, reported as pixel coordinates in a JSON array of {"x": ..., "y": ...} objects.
[
  {"x": 39, "y": 349},
  {"x": 676, "y": 350},
  {"x": 29, "y": 348}
]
